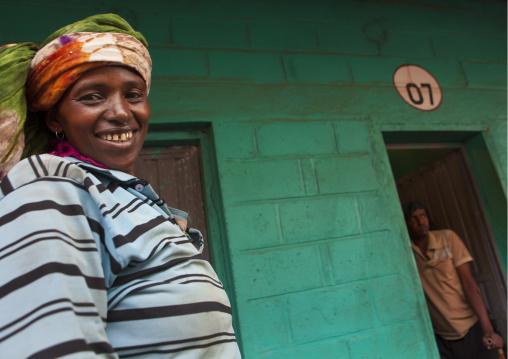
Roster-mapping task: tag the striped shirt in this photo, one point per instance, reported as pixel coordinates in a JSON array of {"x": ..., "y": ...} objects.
[{"x": 93, "y": 264}]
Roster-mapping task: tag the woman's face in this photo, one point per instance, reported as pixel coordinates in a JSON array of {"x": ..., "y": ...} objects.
[{"x": 104, "y": 115}]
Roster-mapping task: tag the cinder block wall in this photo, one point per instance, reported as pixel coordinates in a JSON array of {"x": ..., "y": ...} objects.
[{"x": 297, "y": 94}]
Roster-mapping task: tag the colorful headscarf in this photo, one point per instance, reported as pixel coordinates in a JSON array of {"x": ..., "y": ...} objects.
[
  {"x": 38, "y": 79},
  {"x": 14, "y": 63}
]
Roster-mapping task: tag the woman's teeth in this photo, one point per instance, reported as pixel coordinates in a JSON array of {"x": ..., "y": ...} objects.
[{"x": 117, "y": 137}]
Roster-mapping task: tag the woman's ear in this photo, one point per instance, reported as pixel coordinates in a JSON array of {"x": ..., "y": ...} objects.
[{"x": 52, "y": 121}]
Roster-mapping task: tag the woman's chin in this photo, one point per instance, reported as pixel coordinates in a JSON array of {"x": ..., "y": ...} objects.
[
  {"x": 123, "y": 166},
  {"x": 117, "y": 156}
]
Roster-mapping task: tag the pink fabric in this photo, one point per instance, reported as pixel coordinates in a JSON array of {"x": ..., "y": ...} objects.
[{"x": 64, "y": 149}]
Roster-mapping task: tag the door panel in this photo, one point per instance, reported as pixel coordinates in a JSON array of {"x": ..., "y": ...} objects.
[
  {"x": 175, "y": 174},
  {"x": 448, "y": 189}
]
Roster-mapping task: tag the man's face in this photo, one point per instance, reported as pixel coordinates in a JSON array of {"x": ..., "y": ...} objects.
[{"x": 418, "y": 224}]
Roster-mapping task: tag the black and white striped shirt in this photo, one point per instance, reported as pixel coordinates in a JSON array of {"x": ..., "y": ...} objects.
[{"x": 93, "y": 266}]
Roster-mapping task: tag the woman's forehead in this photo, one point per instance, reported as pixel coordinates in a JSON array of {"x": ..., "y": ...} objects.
[{"x": 108, "y": 76}]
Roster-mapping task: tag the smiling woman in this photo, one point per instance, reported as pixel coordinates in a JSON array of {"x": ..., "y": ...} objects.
[{"x": 93, "y": 262}]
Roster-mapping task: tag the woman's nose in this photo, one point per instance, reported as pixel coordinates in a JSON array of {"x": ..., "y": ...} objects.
[{"x": 118, "y": 110}]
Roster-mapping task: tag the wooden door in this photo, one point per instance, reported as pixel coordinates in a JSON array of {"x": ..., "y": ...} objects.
[
  {"x": 446, "y": 186},
  {"x": 175, "y": 174}
]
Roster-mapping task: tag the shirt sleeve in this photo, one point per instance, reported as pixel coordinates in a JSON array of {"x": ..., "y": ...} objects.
[
  {"x": 460, "y": 253},
  {"x": 53, "y": 299}
]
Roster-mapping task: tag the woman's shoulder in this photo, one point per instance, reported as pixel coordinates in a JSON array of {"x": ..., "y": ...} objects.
[{"x": 40, "y": 168}]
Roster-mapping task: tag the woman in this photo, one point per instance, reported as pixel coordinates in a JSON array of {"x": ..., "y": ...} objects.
[{"x": 93, "y": 262}]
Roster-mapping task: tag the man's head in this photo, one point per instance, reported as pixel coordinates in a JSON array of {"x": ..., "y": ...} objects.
[{"x": 417, "y": 220}]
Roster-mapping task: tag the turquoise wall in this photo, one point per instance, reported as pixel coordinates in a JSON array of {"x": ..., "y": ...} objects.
[{"x": 297, "y": 95}]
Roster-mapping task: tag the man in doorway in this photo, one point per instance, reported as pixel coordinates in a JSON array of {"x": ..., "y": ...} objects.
[{"x": 458, "y": 313}]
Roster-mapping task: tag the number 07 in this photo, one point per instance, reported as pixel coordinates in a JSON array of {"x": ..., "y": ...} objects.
[{"x": 420, "y": 99}]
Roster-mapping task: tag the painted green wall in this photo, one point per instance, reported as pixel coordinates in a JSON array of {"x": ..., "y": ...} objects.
[{"x": 297, "y": 94}]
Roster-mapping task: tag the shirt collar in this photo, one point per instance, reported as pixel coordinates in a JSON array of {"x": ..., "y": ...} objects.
[
  {"x": 431, "y": 246},
  {"x": 432, "y": 242}
]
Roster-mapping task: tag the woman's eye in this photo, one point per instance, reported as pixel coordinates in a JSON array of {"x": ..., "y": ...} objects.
[
  {"x": 90, "y": 97},
  {"x": 134, "y": 96}
]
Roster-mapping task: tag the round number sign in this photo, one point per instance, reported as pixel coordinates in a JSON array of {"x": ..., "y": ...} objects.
[{"x": 417, "y": 87}]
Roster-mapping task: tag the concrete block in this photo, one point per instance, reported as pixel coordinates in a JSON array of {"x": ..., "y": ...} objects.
[
  {"x": 253, "y": 226},
  {"x": 174, "y": 64},
  {"x": 319, "y": 349},
  {"x": 318, "y": 218},
  {"x": 372, "y": 219},
  {"x": 282, "y": 35},
  {"x": 476, "y": 22},
  {"x": 345, "y": 174},
  {"x": 261, "y": 180},
  {"x": 266, "y": 273},
  {"x": 234, "y": 140},
  {"x": 353, "y": 136},
  {"x": 363, "y": 257},
  {"x": 469, "y": 48},
  {"x": 437, "y": 20},
  {"x": 295, "y": 138},
  {"x": 345, "y": 39},
  {"x": 407, "y": 43},
  {"x": 246, "y": 67},
  {"x": 485, "y": 76},
  {"x": 388, "y": 295},
  {"x": 374, "y": 70},
  {"x": 317, "y": 69},
  {"x": 209, "y": 32},
  {"x": 381, "y": 27},
  {"x": 330, "y": 312},
  {"x": 155, "y": 27},
  {"x": 264, "y": 323},
  {"x": 401, "y": 340}
]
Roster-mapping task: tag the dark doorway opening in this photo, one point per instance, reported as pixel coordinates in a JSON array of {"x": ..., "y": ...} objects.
[
  {"x": 175, "y": 174},
  {"x": 181, "y": 166},
  {"x": 452, "y": 173}
]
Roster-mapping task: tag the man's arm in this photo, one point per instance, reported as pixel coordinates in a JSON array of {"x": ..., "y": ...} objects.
[{"x": 475, "y": 300}]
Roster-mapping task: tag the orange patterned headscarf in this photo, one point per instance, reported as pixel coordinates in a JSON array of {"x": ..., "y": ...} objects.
[{"x": 62, "y": 61}]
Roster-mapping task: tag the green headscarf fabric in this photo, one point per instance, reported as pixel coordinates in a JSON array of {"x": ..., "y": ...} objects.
[
  {"x": 15, "y": 60},
  {"x": 98, "y": 23},
  {"x": 14, "y": 65}
]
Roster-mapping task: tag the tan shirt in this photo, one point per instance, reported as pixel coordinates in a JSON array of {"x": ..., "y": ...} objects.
[{"x": 449, "y": 310}]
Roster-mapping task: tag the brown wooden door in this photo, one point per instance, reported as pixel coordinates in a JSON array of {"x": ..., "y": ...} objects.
[
  {"x": 174, "y": 173},
  {"x": 448, "y": 189}
]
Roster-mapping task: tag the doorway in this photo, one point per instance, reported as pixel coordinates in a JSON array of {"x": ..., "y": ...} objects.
[
  {"x": 182, "y": 170},
  {"x": 175, "y": 175},
  {"x": 440, "y": 176}
]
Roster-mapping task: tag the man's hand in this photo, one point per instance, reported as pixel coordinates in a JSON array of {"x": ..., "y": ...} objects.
[{"x": 492, "y": 340}]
